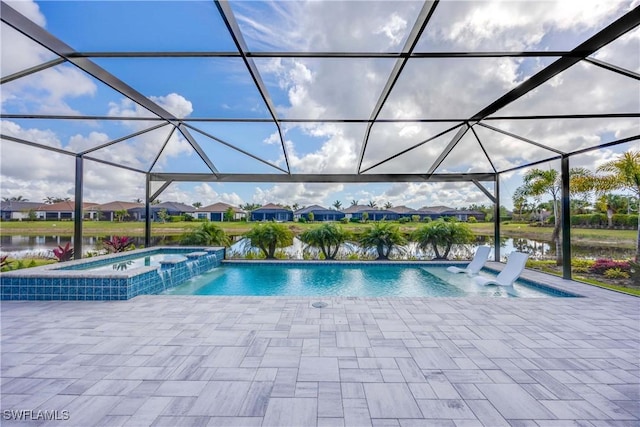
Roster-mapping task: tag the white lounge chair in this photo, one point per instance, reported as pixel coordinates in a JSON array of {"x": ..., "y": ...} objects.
[
  {"x": 476, "y": 264},
  {"x": 509, "y": 274}
]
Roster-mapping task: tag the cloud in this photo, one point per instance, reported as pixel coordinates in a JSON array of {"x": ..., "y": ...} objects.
[{"x": 303, "y": 194}]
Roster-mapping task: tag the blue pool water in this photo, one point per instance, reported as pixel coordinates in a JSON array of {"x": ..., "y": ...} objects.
[
  {"x": 264, "y": 279},
  {"x": 128, "y": 264}
]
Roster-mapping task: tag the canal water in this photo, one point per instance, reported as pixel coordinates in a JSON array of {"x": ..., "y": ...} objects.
[{"x": 42, "y": 246}]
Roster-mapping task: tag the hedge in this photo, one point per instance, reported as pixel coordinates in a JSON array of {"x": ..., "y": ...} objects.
[{"x": 600, "y": 220}]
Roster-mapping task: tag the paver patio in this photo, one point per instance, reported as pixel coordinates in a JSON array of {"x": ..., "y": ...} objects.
[{"x": 277, "y": 361}]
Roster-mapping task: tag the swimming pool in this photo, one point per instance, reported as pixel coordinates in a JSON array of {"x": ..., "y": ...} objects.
[
  {"x": 349, "y": 279},
  {"x": 156, "y": 260},
  {"x": 117, "y": 276}
]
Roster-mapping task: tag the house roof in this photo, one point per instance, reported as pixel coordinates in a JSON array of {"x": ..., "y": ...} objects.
[
  {"x": 175, "y": 206},
  {"x": 435, "y": 209},
  {"x": 356, "y": 209},
  {"x": 401, "y": 209},
  {"x": 13, "y": 206},
  {"x": 66, "y": 206},
  {"x": 116, "y": 206},
  {"x": 272, "y": 207},
  {"x": 220, "y": 207},
  {"x": 312, "y": 208}
]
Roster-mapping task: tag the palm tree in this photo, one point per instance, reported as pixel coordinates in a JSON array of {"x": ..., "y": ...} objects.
[
  {"x": 372, "y": 204},
  {"x": 354, "y": 203},
  {"x": 621, "y": 174},
  {"x": 384, "y": 237},
  {"x": 208, "y": 234},
  {"x": 15, "y": 199},
  {"x": 538, "y": 182},
  {"x": 388, "y": 205},
  {"x": 267, "y": 237},
  {"x": 197, "y": 205},
  {"x": 444, "y": 234},
  {"x": 337, "y": 204},
  {"x": 295, "y": 206},
  {"x": 327, "y": 237}
]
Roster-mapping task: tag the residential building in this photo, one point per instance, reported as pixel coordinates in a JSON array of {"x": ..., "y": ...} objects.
[
  {"x": 109, "y": 211},
  {"x": 17, "y": 210},
  {"x": 319, "y": 213},
  {"x": 272, "y": 212},
  {"x": 62, "y": 210},
  {"x": 217, "y": 211}
]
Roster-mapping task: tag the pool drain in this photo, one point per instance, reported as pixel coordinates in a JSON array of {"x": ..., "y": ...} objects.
[{"x": 319, "y": 304}]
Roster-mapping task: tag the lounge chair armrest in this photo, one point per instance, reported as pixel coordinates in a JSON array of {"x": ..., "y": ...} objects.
[{"x": 453, "y": 269}]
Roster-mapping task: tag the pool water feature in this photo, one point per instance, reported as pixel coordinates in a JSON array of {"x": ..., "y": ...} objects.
[
  {"x": 350, "y": 280},
  {"x": 112, "y": 277}
]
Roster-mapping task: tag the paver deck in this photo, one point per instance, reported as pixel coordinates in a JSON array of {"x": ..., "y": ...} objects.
[{"x": 277, "y": 361}]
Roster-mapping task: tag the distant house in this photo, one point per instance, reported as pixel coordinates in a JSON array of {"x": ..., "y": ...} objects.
[
  {"x": 402, "y": 210},
  {"x": 62, "y": 210},
  {"x": 217, "y": 211},
  {"x": 272, "y": 212},
  {"x": 354, "y": 209},
  {"x": 319, "y": 213},
  {"x": 107, "y": 211},
  {"x": 372, "y": 214},
  {"x": 435, "y": 212},
  {"x": 172, "y": 209},
  {"x": 12, "y": 210}
]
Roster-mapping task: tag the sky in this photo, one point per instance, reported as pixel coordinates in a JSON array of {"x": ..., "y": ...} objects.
[{"x": 308, "y": 88}]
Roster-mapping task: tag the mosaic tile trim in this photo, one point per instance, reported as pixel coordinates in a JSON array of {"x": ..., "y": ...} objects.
[{"x": 71, "y": 284}]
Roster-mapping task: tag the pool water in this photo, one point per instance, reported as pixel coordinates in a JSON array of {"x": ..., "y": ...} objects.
[
  {"x": 345, "y": 280},
  {"x": 128, "y": 264}
]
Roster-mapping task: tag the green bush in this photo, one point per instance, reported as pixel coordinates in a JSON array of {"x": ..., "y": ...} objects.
[
  {"x": 382, "y": 236},
  {"x": 415, "y": 218},
  {"x": 344, "y": 220},
  {"x": 176, "y": 218},
  {"x": 327, "y": 237},
  {"x": 302, "y": 220},
  {"x": 404, "y": 219},
  {"x": 207, "y": 234},
  {"x": 426, "y": 219},
  {"x": 472, "y": 220},
  {"x": 581, "y": 265},
  {"x": 270, "y": 236},
  {"x": 354, "y": 220},
  {"x": 442, "y": 234},
  {"x": 616, "y": 273}
]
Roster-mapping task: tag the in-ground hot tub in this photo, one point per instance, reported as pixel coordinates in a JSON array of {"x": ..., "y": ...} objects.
[{"x": 111, "y": 277}]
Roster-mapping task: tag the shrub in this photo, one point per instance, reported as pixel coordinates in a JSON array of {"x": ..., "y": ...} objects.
[
  {"x": 426, "y": 219},
  {"x": 581, "y": 265},
  {"x": 344, "y": 220},
  {"x": 404, "y": 219},
  {"x": 355, "y": 220},
  {"x": 616, "y": 273},
  {"x": 382, "y": 236},
  {"x": 302, "y": 220},
  {"x": 600, "y": 266},
  {"x": 415, "y": 218},
  {"x": 207, "y": 234},
  {"x": 176, "y": 218},
  {"x": 472, "y": 220},
  {"x": 269, "y": 236},
  {"x": 327, "y": 237},
  {"x": 63, "y": 254},
  {"x": 118, "y": 244},
  {"x": 443, "y": 234}
]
